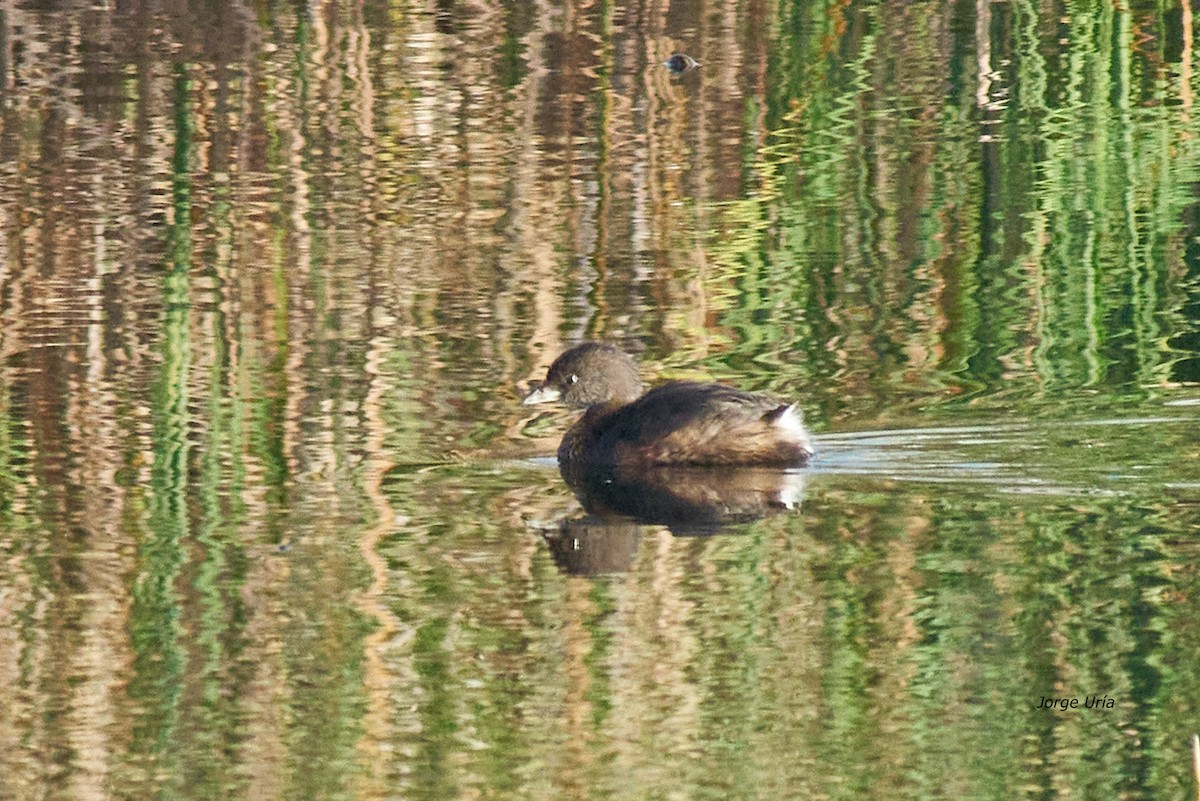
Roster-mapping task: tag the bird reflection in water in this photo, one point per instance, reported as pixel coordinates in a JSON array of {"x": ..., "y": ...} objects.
[{"x": 688, "y": 501}]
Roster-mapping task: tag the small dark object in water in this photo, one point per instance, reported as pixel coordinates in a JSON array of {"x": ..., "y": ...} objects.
[
  {"x": 680, "y": 422},
  {"x": 681, "y": 62}
]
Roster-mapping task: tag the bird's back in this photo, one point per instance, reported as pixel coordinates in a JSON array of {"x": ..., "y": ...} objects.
[{"x": 685, "y": 422}]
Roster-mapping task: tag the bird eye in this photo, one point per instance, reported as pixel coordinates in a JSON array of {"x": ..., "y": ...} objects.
[{"x": 574, "y": 378}]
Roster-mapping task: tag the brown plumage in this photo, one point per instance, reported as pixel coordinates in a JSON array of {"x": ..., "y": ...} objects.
[{"x": 680, "y": 422}]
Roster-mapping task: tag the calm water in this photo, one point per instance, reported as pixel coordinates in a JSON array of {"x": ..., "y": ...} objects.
[{"x": 274, "y": 524}]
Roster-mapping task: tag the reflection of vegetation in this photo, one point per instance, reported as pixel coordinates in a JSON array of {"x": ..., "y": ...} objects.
[
  {"x": 283, "y": 251},
  {"x": 1025, "y": 246},
  {"x": 901, "y": 641},
  {"x": 155, "y": 624}
]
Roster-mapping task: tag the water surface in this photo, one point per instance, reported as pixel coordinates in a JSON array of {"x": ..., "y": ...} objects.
[{"x": 274, "y": 524}]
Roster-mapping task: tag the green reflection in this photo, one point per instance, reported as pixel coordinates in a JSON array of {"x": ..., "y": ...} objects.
[
  {"x": 155, "y": 615},
  {"x": 291, "y": 250}
]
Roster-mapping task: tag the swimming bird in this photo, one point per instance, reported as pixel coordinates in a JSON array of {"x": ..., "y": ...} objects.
[{"x": 676, "y": 423}]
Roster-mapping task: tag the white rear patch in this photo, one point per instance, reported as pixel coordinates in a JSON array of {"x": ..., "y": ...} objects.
[
  {"x": 791, "y": 422},
  {"x": 792, "y": 491}
]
